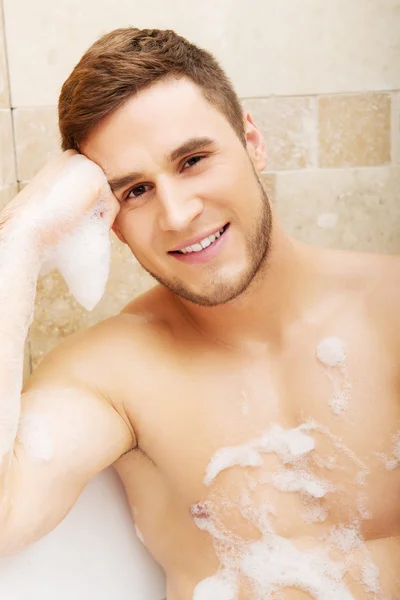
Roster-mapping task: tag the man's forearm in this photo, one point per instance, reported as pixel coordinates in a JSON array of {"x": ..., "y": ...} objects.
[{"x": 19, "y": 269}]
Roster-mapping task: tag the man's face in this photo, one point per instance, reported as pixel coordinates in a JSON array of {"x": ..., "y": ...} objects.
[{"x": 182, "y": 175}]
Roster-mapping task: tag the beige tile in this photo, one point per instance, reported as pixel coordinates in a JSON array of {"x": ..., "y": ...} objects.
[
  {"x": 283, "y": 48},
  {"x": 355, "y": 209},
  {"x": 36, "y": 139},
  {"x": 7, "y": 193},
  {"x": 4, "y": 90},
  {"x": 289, "y": 126},
  {"x": 7, "y": 159},
  {"x": 354, "y": 130},
  {"x": 57, "y": 314},
  {"x": 396, "y": 127}
]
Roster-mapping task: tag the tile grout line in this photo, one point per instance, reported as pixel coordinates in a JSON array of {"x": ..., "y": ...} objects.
[
  {"x": 317, "y": 134},
  {"x": 265, "y": 97},
  {"x": 3, "y": 18},
  {"x": 395, "y": 128},
  {"x": 8, "y": 78},
  {"x": 319, "y": 94}
]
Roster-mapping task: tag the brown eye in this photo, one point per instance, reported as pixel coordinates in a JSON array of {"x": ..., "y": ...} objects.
[
  {"x": 137, "y": 191},
  {"x": 193, "y": 160}
]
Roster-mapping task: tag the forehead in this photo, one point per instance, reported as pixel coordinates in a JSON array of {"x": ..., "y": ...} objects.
[{"x": 152, "y": 123}]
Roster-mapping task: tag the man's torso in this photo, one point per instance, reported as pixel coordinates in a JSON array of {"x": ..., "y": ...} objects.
[{"x": 270, "y": 470}]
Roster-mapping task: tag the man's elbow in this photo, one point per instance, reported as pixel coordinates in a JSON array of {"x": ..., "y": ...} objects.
[{"x": 11, "y": 542}]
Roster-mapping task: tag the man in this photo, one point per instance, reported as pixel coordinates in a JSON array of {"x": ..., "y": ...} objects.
[{"x": 250, "y": 401}]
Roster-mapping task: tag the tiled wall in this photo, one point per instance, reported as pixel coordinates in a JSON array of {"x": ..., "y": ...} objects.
[{"x": 322, "y": 81}]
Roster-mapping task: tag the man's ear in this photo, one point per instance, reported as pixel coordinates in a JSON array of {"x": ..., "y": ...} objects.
[
  {"x": 255, "y": 143},
  {"x": 118, "y": 234}
]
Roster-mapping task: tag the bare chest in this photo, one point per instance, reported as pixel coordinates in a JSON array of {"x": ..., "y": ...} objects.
[{"x": 304, "y": 444}]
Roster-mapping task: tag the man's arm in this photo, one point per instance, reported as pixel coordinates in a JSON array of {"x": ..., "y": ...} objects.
[
  {"x": 61, "y": 432},
  {"x": 67, "y": 434}
]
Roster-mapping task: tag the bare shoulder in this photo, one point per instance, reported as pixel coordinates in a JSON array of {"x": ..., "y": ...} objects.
[
  {"x": 101, "y": 357},
  {"x": 382, "y": 282},
  {"x": 375, "y": 280}
]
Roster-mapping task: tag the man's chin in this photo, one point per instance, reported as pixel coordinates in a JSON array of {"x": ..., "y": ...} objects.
[{"x": 223, "y": 293}]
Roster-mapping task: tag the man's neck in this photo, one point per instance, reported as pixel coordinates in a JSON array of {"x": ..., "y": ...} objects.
[{"x": 272, "y": 303}]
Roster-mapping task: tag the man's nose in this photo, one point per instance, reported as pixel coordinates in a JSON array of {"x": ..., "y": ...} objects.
[{"x": 178, "y": 206}]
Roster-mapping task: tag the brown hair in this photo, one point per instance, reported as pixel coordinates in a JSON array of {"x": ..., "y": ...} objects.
[{"x": 125, "y": 61}]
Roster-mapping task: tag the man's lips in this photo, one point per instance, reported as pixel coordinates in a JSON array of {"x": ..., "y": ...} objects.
[
  {"x": 197, "y": 239},
  {"x": 207, "y": 253}
]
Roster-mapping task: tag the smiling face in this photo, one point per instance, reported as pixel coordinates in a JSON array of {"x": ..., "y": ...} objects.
[{"x": 182, "y": 175}]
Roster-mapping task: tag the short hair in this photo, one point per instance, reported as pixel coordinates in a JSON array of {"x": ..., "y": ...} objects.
[{"x": 125, "y": 61}]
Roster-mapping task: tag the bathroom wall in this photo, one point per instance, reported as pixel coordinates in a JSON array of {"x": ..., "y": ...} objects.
[{"x": 322, "y": 80}]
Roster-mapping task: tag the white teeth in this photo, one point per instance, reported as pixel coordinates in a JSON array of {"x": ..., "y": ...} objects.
[{"x": 203, "y": 243}]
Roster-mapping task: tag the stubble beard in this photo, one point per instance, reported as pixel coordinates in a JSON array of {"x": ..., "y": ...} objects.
[{"x": 219, "y": 290}]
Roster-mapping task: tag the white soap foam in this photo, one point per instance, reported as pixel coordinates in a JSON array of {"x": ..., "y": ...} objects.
[
  {"x": 393, "y": 462},
  {"x": 244, "y": 456},
  {"x": 300, "y": 481},
  {"x": 83, "y": 258},
  {"x": 19, "y": 267},
  {"x": 20, "y": 258},
  {"x": 221, "y": 536},
  {"x": 327, "y": 220},
  {"x": 288, "y": 444},
  {"x": 361, "y": 476},
  {"x": 340, "y": 403},
  {"x": 315, "y": 513},
  {"x": 83, "y": 254},
  {"x": 327, "y": 462},
  {"x": 332, "y": 352},
  {"x": 370, "y": 576},
  {"x": 346, "y": 538},
  {"x": 362, "y": 503},
  {"x": 275, "y": 563},
  {"x": 396, "y": 445},
  {"x": 221, "y": 586},
  {"x": 34, "y": 435}
]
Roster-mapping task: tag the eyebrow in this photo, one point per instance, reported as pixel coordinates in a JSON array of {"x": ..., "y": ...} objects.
[
  {"x": 191, "y": 145},
  {"x": 196, "y": 143}
]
